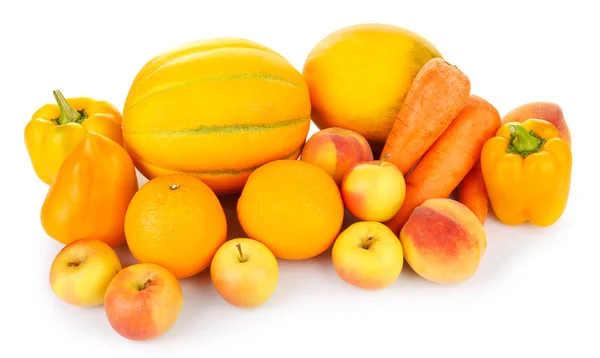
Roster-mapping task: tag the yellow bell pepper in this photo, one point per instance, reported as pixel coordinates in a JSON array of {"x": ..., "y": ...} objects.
[
  {"x": 55, "y": 130},
  {"x": 527, "y": 171}
]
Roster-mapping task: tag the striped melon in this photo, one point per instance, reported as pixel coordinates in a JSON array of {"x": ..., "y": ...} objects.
[{"x": 216, "y": 109}]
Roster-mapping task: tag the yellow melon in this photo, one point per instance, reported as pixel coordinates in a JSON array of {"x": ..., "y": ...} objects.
[
  {"x": 358, "y": 76},
  {"x": 216, "y": 109}
]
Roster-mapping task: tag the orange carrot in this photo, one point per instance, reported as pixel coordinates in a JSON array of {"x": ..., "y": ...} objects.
[
  {"x": 472, "y": 192},
  {"x": 449, "y": 159},
  {"x": 438, "y": 93}
]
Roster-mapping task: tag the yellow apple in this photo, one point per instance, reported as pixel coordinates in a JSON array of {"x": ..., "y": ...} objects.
[
  {"x": 244, "y": 272},
  {"x": 82, "y": 270},
  {"x": 374, "y": 190},
  {"x": 368, "y": 255},
  {"x": 143, "y": 301}
]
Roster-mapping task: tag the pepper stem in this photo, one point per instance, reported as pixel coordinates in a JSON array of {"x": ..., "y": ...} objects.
[
  {"x": 524, "y": 143},
  {"x": 67, "y": 113}
]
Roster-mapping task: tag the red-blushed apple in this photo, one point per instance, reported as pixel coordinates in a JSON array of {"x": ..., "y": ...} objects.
[
  {"x": 244, "y": 272},
  {"x": 335, "y": 150},
  {"x": 374, "y": 190},
  {"x": 143, "y": 301},
  {"x": 82, "y": 270},
  {"x": 368, "y": 255}
]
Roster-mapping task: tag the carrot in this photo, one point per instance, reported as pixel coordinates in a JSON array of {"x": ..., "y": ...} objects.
[
  {"x": 472, "y": 192},
  {"x": 449, "y": 159},
  {"x": 438, "y": 93}
]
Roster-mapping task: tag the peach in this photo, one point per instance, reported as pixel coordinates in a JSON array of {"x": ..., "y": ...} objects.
[
  {"x": 373, "y": 191},
  {"x": 443, "y": 241},
  {"x": 335, "y": 150},
  {"x": 547, "y": 111}
]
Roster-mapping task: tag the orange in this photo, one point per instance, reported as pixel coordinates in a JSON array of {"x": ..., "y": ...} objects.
[
  {"x": 293, "y": 207},
  {"x": 175, "y": 221}
]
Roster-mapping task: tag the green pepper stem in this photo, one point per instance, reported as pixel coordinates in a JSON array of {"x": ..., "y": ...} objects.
[
  {"x": 522, "y": 142},
  {"x": 67, "y": 113}
]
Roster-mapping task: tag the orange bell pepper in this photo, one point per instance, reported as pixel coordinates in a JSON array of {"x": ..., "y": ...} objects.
[
  {"x": 91, "y": 193},
  {"x": 55, "y": 129}
]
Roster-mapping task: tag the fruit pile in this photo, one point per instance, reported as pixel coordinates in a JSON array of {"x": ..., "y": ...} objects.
[{"x": 403, "y": 147}]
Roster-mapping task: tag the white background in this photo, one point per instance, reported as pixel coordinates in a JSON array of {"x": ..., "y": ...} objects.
[{"x": 536, "y": 291}]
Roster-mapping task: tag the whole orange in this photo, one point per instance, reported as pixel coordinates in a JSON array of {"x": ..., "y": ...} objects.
[
  {"x": 293, "y": 207},
  {"x": 175, "y": 221}
]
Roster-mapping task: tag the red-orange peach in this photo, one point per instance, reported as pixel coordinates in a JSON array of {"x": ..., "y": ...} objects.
[
  {"x": 335, "y": 150},
  {"x": 547, "y": 111},
  {"x": 443, "y": 241}
]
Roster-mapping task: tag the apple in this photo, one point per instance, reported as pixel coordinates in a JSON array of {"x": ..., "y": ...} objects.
[
  {"x": 368, "y": 255},
  {"x": 373, "y": 190},
  {"x": 143, "y": 301},
  {"x": 82, "y": 270},
  {"x": 244, "y": 272}
]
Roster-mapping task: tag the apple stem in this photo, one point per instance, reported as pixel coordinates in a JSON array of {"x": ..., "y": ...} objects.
[
  {"x": 239, "y": 248},
  {"x": 384, "y": 158},
  {"x": 146, "y": 284},
  {"x": 368, "y": 242},
  {"x": 71, "y": 264}
]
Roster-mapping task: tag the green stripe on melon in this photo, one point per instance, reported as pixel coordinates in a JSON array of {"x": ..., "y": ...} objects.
[
  {"x": 197, "y": 46},
  {"x": 218, "y": 172},
  {"x": 217, "y": 78},
  {"x": 216, "y": 109},
  {"x": 227, "y": 129}
]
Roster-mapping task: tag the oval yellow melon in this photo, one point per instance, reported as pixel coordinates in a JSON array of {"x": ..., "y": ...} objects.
[
  {"x": 358, "y": 76},
  {"x": 216, "y": 109}
]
